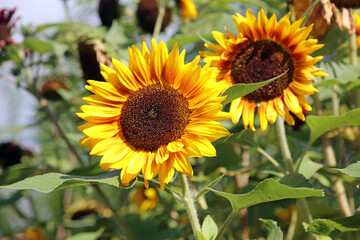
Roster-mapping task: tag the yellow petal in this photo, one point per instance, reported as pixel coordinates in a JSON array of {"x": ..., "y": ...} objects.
[
  {"x": 182, "y": 164},
  {"x": 175, "y": 146}
]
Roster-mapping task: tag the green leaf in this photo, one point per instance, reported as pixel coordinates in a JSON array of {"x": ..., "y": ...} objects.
[
  {"x": 308, "y": 167},
  {"x": 341, "y": 73},
  {"x": 209, "y": 228},
  {"x": 86, "y": 236},
  {"x": 326, "y": 226},
  {"x": 241, "y": 89},
  {"x": 116, "y": 34},
  {"x": 274, "y": 230},
  {"x": 209, "y": 185},
  {"x": 321, "y": 124},
  {"x": 271, "y": 190},
  {"x": 38, "y": 46},
  {"x": 200, "y": 236},
  {"x": 245, "y": 137},
  {"x": 56, "y": 181},
  {"x": 352, "y": 170}
]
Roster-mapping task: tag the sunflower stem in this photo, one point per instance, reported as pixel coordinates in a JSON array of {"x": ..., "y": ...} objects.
[
  {"x": 225, "y": 225},
  {"x": 289, "y": 163},
  {"x": 157, "y": 29},
  {"x": 354, "y": 61},
  {"x": 271, "y": 159},
  {"x": 189, "y": 204}
]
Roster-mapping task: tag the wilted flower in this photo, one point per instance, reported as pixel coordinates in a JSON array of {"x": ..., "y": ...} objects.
[
  {"x": 5, "y": 27},
  {"x": 147, "y": 14}
]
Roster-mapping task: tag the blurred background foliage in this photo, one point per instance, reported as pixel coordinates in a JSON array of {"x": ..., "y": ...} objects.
[{"x": 59, "y": 57}]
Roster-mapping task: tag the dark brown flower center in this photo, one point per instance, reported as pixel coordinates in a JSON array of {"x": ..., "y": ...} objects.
[
  {"x": 346, "y": 3},
  {"x": 260, "y": 61},
  {"x": 154, "y": 116}
]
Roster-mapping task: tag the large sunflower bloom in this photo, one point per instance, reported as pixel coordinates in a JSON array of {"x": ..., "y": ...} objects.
[
  {"x": 263, "y": 49},
  {"x": 152, "y": 115}
]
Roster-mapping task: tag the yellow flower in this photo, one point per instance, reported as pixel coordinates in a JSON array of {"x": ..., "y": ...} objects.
[
  {"x": 188, "y": 10},
  {"x": 357, "y": 24},
  {"x": 32, "y": 234},
  {"x": 263, "y": 49},
  {"x": 154, "y": 114},
  {"x": 145, "y": 198}
]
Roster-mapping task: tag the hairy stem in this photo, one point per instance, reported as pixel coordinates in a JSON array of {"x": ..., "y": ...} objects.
[
  {"x": 188, "y": 201},
  {"x": 225, "y": 225},
  {"x": 289, "y": 163}
]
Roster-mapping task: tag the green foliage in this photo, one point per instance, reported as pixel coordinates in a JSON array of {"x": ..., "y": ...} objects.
[
  {"x": 327, "y": 226},
  {"x": 321, "y": 124},
  {"x": 274, "y": 230},
  {"x": 352, "y": 170},
  {"x": 209, "y": 228},
  {"x": 291, "y": 186},
  {"x": 38, "y": 46},
  {"x": 241, "y": 89}
]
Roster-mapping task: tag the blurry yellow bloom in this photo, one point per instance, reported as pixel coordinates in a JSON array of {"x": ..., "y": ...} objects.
[
  {"x": 263, "y": 49},
  {"x": 188, "y": 10},
  {"x": 145, "y": 198},
  {"x": 357, "y": 24},
  {"x": 31, "y": 234}
]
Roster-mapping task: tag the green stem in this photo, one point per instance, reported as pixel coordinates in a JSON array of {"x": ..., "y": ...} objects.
[
  {"x": 289, "y": 163},
  {"x": 225, "y": 225},
  {"x": 159, "y": 19},
  {"x": 271, "y": 159},
  {"x": 284, "y": 145},
  {"x": 189, "y": 204}
]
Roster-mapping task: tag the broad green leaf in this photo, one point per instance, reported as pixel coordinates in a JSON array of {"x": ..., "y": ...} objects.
[
  {"x": 56, "y": 181},
  {"x": 271, "y": 190},
  {"x": 241, "y": 89},
  {"x": 200, "y": 236},
  {"x": 116, "y": 34},
  {"x": 275, "y": 232},
  {"x": 18, "y": 172},
  {"x": 209, "y": 228},
  {"x": 245, "y": 137},
  {"x": 38, "y": 46},
  {"x": 308, "y": 167},
  {"x": 321, "y": 124},
  {"x": 343, "y": 73},
  {"x": 326, "y": 226},
  {"x": 352, "y": 170},
  {"x": 209, "y": 185}
]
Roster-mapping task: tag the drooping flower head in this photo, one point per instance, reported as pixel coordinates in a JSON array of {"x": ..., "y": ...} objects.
[
  {"x": 188, "y": 10},
  {"x": 154, "y": 114},
  {"x": 264, "y": 49},
  {"x": 147, "y": 13},
  {"x": 145, "y": 198},
  {"x": 5, "y": 27}
]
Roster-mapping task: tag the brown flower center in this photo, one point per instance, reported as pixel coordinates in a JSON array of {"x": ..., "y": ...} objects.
[
  {"x": 154, "y": 116},
  {"x": 346, "y": 3},
  {"x": 260, "y": 61}
]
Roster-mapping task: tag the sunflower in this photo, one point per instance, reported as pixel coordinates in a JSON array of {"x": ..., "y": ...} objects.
[
  {"x": 188, "y": 10},
  {"x": 145, "y": 198},
  {"x": 357, "y": 24},
  {"x": 263, "y": 49},
  {"x": 154, "y": 114}
]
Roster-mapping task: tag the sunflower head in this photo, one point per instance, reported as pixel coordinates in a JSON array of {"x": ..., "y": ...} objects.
[
  {"x": 346, "y": 3},
  {"x": 149, "y": 117},
  {"x": 188, "y": 10},
  {"x": 263, "y": 49}
]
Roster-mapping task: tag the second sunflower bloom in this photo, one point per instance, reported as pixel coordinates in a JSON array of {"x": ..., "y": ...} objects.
[{"x": 263, "y": 49}]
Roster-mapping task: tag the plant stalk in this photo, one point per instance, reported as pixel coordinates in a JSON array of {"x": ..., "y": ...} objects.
[
  {"x": 159, "y": 20},
  {"x": 188, "y": 201},
  {"x": 226, "y": 224},
  {"x": 289, "y": 163},
  {"x": 330, "y": 159}
]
